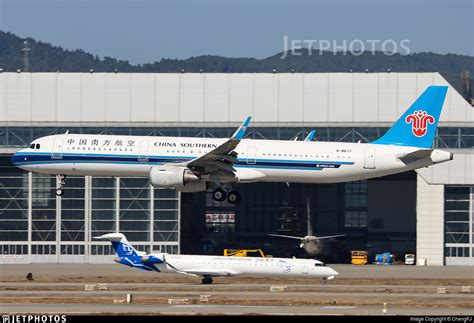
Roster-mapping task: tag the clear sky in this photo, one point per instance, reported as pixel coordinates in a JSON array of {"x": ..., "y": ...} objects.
[{"x": 145, "y": 31}]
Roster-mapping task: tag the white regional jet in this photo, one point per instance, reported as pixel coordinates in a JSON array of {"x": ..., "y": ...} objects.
[
  {"x": 213, "y": 266},
  {"x": 196, "y": 164}
]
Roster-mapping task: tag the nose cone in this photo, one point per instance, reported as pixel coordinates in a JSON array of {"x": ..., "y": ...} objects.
[
  {"x": 15, "y": 159},
  {"x": 18, "y": 159},
  {"x": 331, "y": 273}
]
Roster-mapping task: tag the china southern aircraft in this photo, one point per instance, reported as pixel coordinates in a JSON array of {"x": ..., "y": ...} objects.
[
  {"x": 196, "y": 164},
  {"x": 214, "y": 266}
]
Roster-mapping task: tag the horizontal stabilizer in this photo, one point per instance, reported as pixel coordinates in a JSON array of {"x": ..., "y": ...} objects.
[{"x": 416, "y": 155}]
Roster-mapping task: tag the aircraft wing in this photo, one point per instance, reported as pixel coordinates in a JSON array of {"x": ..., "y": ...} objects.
[
  {"x": 210, "y": 272},
  {"x": 221, "y": 159},
  {"x": 416, "y": 155},
  {"x": 310, "y": 136},
  {"x": 328, "y": 237},
  {"x": 283, "y": 236}
]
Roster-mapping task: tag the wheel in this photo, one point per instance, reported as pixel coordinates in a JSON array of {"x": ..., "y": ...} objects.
[
  {"x": 219, "y": 195},
  {"x": 59, "y": 192},
  {"x": 323, "y": 281},
  {"x": 233, "y": 197},
  {"x": 207, "y": 280}
]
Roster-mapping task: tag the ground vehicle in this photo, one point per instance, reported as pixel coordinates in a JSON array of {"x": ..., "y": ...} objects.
[
  {"x": 409, "y": 259},
  {"x": 385, "y": 258},
  {"x": 359, "y": 257},
  {"x": 245, "y": 253}
]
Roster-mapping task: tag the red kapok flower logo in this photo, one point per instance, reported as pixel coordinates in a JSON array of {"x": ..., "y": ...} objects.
[{"x": 419, "y": 120}]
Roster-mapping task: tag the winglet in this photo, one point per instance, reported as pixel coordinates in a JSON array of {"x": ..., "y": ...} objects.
[
  {"x": 240, "y": 133},
  {"x": 310, "y": 136}
]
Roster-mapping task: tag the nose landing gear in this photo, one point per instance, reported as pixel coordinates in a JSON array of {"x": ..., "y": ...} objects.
[{"x": 62, "y": 181}]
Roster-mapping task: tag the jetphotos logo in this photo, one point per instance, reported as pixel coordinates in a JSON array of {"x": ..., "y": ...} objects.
[
  {"x": 419, "y": 120},
  {"x": 354, "y": 47}
]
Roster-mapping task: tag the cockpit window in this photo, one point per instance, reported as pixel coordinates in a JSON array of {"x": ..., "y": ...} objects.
[
  {"x": 32, "y": 146},
  {"x": 320, "y": 264},
  {"x": 37, "y": 146}
]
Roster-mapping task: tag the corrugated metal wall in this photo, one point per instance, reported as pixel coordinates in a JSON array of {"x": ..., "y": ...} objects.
[{"x": 217, "y": 99}]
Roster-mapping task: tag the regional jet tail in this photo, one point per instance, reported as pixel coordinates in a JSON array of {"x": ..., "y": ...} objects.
[
  {"x": 197, "y": 164},
  {"x": 215, "y": 266}
]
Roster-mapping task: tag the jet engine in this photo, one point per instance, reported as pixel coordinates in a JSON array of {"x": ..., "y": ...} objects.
[{"x": 178, "y": 177}]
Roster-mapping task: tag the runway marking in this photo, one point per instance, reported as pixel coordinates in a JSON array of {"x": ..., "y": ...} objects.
[{"x": 338, "y": 307}]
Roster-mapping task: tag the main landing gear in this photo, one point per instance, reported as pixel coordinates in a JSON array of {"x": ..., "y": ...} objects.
[
  {"x": 219, "y": 195},
  {"x": 62, "y": 182},
  {"x": 207, "y": 280}
]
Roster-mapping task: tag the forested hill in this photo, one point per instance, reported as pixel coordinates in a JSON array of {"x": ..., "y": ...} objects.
[{"x": 45, "y": 57}]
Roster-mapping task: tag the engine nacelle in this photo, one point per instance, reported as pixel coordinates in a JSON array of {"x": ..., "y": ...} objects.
[{"x": 167, "y": 176}]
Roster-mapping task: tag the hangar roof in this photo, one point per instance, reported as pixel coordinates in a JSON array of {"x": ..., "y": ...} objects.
[{"x": 216, "y": 99}]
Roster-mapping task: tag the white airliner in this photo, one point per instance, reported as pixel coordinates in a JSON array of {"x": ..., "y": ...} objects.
[
  {"x": 214, "y": 266},
  {"x": 196, "y": 164}
]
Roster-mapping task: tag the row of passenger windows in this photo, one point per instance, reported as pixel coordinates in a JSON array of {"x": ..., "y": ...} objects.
[
  {"x": 101, "y": 148},
  {"x": 125, "y": 149}
]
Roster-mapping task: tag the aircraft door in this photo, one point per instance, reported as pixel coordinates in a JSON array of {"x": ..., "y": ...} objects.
[
  {"x": 251, "y": 155},
  {"x": 57, "y": 152},
  {"x": 369, "y": 160},
  {"x": 143, "y": 151},
  {"x": 304, "y": 269}
]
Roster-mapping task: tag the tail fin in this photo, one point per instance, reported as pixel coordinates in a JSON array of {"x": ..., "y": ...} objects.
[
  {"x": 120, "y": 244},
  {"x": 417, "y": 126}
]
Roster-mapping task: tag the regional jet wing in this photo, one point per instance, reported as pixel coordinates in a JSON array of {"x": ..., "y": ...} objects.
[
  {"x": 283, "y": 236},
  {"x": 222, "y": 158},
  {"x": 329, "y": 237},
  {"x": 200, "y": 272},
  {"x": 307, "y": 237}
]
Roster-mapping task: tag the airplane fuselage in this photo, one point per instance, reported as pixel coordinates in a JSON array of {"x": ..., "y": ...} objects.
[
  {"x": 232, "y": 266},
  {"x": 257, "y": 160}
]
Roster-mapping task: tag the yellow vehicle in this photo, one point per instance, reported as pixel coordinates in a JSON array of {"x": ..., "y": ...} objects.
[
  {"x": 359, "y": 257},
  {"x": 245, "y": 253}
]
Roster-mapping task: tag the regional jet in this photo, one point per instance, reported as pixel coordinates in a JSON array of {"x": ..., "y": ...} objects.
[
  {"x": 197, "y": 164},
  {"x": 208, "y": 267},
  {"x": 314, "y": 246}
]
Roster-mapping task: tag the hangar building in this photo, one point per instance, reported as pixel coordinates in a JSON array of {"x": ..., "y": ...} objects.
[{"x": 429, "y": 212}]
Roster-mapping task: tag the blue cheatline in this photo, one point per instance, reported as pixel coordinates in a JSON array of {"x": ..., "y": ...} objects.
[
  {"x": 45, "y": 158},
  {"x": 417, "y": 126}
]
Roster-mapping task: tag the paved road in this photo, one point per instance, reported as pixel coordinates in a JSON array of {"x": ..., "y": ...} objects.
[{"x": 228, "y": 309}]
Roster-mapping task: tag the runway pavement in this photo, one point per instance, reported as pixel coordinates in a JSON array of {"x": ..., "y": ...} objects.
[{"x": 358, "y": 290}]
